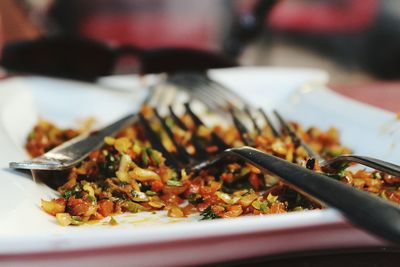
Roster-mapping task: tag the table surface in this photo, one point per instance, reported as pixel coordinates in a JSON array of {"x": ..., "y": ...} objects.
[{"x": 371, "y": 257}]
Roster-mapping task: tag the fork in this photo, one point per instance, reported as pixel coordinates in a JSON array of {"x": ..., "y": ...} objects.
[
  {"x": 363, "y": 209},
  {"x": 338, "y": 161},
  {"x": 216, "y": 95},
  {"x": 75, "y": 150}
]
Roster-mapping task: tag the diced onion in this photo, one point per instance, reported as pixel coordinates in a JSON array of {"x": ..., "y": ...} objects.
[
  {"x": 175, "y": 212},
  {"x": 143, "y": 175},
  {"x": 248, "y": 199},
  {"x": 122, "y": 144},
  {"x": 64, "y": 219},
  {"x": 52, "y": 207}
]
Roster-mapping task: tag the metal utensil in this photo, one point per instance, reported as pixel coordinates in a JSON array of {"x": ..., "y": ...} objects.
[{"x": 363, "y": 209}]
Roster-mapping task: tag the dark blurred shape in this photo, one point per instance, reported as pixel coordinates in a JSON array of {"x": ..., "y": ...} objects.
[
  {"x": 356, "y": 34},
  {"x": 360, "y": 35},
  {"x": 80, "y": 59},
  {"x": 247, "y": 26},
  {"x": 158, "y": 60},
  {"x": 206, "y": 24},
  {"x": 381, "y": 55},
  {"x": 346, "y": 257},
  {"x": 85, "y": 59}
]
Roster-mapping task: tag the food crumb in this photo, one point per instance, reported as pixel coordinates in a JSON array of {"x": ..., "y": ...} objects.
[{"x": 113, "y": 221}]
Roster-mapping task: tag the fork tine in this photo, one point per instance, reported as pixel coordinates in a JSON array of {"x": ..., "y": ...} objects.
[
  {"x": 183, "y": 155},
  {"x": 243, "y": 132},
  {"x": 196, "y": 88},
  {"x": 225, "y": 93},
  {"x": 208, "y": 97},
  {"x": 253, "y": 120},
  {"x": 157, "y": 144},
  {"x": 208, "y": 91},
  {"x": 333, "y": 164},
  {"x": 295, "y": 138},
  {"x": 176, "y": 119},
  {"x": 196, "y": 120},
  {"x": 211, "y": 93},
  {"x": 268, "y": 122},
  {"x": 201, "y": 153}
]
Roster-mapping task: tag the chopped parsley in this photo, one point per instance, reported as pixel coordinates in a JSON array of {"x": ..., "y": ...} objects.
[
  {"x": 154, "y": 156},
  {"x": 71, "y": 192},
  {"x": 209, "y": 214},
  {"x": 110, "y": 165},
  {"x": 92, "y": 199},
  {"x": 195, "y": 199}
]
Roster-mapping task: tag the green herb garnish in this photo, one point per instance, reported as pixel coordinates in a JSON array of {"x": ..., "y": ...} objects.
[
  {"x": 145, "y": 158},
  {"x": 244, "y": 171},
  {"x": 150, "y": 193},
  {"x": 71, "y": 192},
  {"x": 209, "y": 214},
  {"x": 110, "y": 164},
  {"x": 154, "y": 156},
  {"x": 76, "y": 220},
  {"x": 92, "y": 199},
  {"x": 195, "y": 198}
]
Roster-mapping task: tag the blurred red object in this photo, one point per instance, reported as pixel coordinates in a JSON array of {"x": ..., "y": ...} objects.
[
  {"x": 203, "y": 24},
  {"x": 194, "y": 24},
  {"x": 384, "y": 95},
  {"x": 148, "y": 30},
  {"x": 323, "y": 16}
]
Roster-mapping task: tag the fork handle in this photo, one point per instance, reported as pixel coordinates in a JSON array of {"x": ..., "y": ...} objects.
[
  {"x": 363, "y": 209},
  {"x": 75, "y": 150},
  {"x": 374, "y": 163}
]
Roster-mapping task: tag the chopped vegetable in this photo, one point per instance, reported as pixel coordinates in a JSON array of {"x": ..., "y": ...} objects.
[
  {"x": 209, "y": 214},
  {"x": 128, "y": 175},
  {"x": 113, "y": 221},
  {"x": 174, "y": 183},
  {"x": 134, "y": 207},
  {"x": 53, "y": 207},
  {"x": 142, "y": 175},
  {"x": 195, "y": 199}
]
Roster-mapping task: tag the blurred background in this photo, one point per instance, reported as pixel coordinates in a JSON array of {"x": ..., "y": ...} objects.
[{"x": 356, "y": 41}]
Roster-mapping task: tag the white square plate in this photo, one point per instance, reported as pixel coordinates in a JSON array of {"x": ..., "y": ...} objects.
[{"x": 30, "y": 237}]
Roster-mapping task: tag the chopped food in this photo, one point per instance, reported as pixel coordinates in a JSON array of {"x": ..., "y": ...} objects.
[
  {"x": 128, "y": 175},
  {"x": 45, "y": 136}
]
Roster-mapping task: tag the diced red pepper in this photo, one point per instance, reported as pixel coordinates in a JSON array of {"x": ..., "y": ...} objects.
[
  {"x": 105, "y": 207},
  {"x": 77, "y": 206},
  {"x": 156, "y": 186}
]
